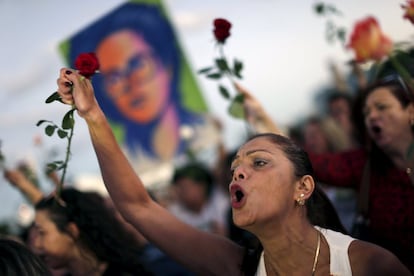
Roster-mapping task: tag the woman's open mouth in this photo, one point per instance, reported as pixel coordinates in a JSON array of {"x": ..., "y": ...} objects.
[
  {"x": 376, "y": 130},
  {"x": 378, "y": 135},
  {"x": 237, "y": 196}
]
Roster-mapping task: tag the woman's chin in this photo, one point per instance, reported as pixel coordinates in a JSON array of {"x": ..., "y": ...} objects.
[{"x": 241, "y": 222}]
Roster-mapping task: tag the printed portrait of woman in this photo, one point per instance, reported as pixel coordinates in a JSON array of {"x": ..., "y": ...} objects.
[{"x": 140, "y": 84}]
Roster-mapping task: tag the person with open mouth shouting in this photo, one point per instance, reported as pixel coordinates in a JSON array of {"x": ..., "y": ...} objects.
[
  {"x": 381, "y": 170},
  {"x": 272, "y": 190}
]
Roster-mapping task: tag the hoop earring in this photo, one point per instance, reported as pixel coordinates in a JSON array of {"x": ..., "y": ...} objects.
[{"x": 300, "y": 201}]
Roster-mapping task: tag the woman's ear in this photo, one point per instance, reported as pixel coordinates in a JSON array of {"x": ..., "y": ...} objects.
[
  {"x": 410, "y": 109},
  {"x": 305, "y": 187},
  {"x": 73, "y": 230}
]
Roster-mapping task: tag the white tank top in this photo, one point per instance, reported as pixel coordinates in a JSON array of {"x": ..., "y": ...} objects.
[{"x": 338, "y": 248}]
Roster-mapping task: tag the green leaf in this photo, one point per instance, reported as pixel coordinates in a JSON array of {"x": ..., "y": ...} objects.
[
  {"x": 55, "y": 165},
  {"x": 224, "y": 92},
  {"x": 62, "y": 133},
  {"x": 50, "y": 167},
  {"x": 239, "y": 98},
  {"x": 402, "y": 55},
  {"x": 41, "y": 122},
  {"x": 341, "y": 33},
  {"x": 68, "y": 121},
  {"x": 205, "y": 70},
  {"x": 222, "y": 64},
  {"x": 330, "y": 31},
  {"x": 237, "y": 68},
  {"x": 333, "y": 10},
  {"x": 54, "y": 97},
  {"x": 214, "y": 76},
  {"x": 2, "y": 158},
  {"x": 236, "y": 108},
  {"x": 319, "y": 8},
  {"x": 49, "y": 130}
]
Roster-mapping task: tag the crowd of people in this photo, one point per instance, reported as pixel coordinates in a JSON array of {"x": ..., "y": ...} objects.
[
  {"x": 270, "y": 207},
  {"x": 265, "y": 209},
  {"x": 274, "y": 195}
]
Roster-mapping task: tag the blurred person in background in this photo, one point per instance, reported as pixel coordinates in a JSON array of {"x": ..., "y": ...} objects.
[
  {"x": 18, "y": 260},
  {"x": 193, "y": 186},
  {"x": 77, "y": 231}
]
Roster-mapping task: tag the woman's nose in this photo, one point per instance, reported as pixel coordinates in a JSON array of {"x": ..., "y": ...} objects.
[
  {"x": 239, "y": 174},
  {"x": 373, "y": 113}
]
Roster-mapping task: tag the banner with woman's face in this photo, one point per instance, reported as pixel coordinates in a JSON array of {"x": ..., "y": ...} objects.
[{"x": 145, "y": 85}]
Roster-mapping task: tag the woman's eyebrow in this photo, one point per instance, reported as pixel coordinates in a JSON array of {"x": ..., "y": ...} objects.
[
  {"x": 257, "y": 150},
  {"x": 249, "y": 153}
]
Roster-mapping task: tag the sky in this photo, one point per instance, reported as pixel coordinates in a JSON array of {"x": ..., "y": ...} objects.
[{"x": 281, "y": 43}]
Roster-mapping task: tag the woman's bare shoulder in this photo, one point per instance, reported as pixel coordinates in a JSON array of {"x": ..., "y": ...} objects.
[{"x": 370, "y": 259}]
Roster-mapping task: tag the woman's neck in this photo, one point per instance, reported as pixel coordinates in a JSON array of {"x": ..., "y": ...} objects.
[
  {"x": 293, "y": 250},
  {"x": 402, "y": 154},
  {"x": 86, "y": 264},
  {"x": 168, "y": 128}
]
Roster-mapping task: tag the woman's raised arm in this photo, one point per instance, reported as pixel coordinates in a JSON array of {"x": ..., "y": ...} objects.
[
  {"x": 256, "y": 116},
  {"x": 184, "y": 243}
]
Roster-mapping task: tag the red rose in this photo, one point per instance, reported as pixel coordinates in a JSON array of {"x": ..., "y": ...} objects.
[
  {"x": 368, "y": 41},
  {"x": 409, "y": 10},
  {"x": 87, "y": 64},
  {"x": 221, "y": 29}
]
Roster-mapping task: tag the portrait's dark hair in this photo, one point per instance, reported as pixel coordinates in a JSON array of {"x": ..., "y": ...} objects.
[
  {"x": 100, "y": 231},
  {"x": 197, "y": 172},
  {"x": 320, "y": 210},
  {"x": 17, "y": 260},
  {"x": 149, "y": 21}
]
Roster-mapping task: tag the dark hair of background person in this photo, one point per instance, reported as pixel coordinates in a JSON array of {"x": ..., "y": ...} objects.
[
  {"x": 197, "y": 172},
  {"x": 334, "y": 95},
  {"x": 339, "y": 95},
  {"x": 17, "y": 260},
  {"x": 320, "y": 210},
  {"x": 99, "y": 229}
]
